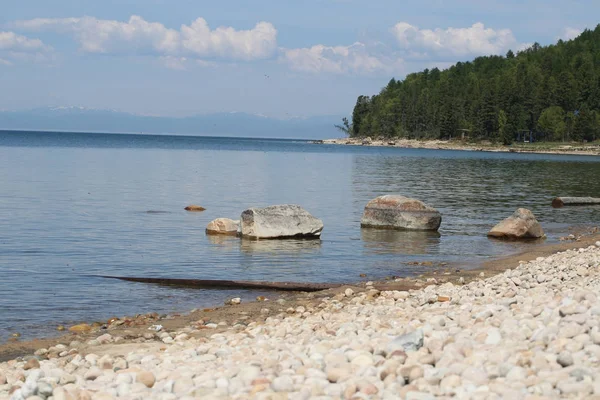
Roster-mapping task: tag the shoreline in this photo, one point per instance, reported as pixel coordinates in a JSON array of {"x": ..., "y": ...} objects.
[
  {"x": 528, "y": 329},
  {"x": 133, "y": 328},
  {"x": 556, "y": 148}
]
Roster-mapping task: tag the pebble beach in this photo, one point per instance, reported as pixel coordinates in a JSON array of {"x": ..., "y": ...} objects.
[
  {"x": 532, "y": 332},
  {"x": 556, "y": 148}
]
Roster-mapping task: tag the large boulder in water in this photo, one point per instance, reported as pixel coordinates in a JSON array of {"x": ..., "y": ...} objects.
[
  {"x": 521, "y": 225},
  {"x": 223, "y": 226},
  {"x": 280, "y": 222},
  {"x": 399, "y": 212}
]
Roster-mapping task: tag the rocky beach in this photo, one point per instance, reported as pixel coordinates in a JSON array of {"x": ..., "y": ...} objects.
[
  {"x": 590, "y": 149},
  {"x": 530, "y": 332}
]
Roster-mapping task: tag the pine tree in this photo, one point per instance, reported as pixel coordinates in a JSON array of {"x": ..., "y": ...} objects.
[{"x": 471, "y": 95}]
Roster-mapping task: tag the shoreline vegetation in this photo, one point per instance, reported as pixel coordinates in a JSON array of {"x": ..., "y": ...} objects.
[
  {"x": 545, "y": 291},
  {"x": 543, "y": 95},
  {"x": 588, "y": 149}
]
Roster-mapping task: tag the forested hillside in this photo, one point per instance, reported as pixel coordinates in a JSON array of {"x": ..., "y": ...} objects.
[{"x": 547, "y": 93}]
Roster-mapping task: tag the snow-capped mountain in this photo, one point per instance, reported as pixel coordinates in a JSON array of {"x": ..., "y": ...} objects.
[{"x": 83, "y": 119}]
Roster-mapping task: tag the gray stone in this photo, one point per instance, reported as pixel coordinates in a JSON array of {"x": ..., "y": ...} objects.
[
  {"x": 402, "y": 213},
  {"x": 44, "y": 389},
  {"x": 521, "y": 225},
  {"x": 565, "y": 359},
  {"x": 412, "y": 341},
  {"x": 223, "y": 226},
  {"x": 280, "y": 222}
]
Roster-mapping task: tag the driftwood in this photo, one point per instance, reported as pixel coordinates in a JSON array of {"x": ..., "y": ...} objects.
[
  {"x": 559, "y": 202},
  {"x": 225, "y": 284}
]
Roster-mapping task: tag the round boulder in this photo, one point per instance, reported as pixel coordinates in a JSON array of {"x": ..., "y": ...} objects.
[
  {"x": 223, "y": 226},
  {"x": 521, "y": 225},
  {"x": 402, "y": 213}
]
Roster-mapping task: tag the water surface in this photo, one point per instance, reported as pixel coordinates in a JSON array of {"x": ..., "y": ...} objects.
[{"x": 76, "y": 205}]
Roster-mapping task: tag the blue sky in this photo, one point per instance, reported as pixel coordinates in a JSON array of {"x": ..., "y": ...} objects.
[{"x": 272, "y": 57}]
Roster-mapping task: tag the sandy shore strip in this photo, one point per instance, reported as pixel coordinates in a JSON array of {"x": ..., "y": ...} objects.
[
  {"x": 531, "y": 332},
  {"x": 550, "y": 148}
]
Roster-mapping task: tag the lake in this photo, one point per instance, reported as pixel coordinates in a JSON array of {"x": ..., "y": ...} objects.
[{"x": 74, "y": 206}]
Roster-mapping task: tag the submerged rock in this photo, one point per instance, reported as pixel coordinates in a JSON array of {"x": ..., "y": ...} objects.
[
  {"x": 194, "y": 207},
  {"x": 279, "y": 222},
  {"x": 399, "y": 212},
  {"x": 521, "y": 225},
  {"x": 223, "y": 226}
]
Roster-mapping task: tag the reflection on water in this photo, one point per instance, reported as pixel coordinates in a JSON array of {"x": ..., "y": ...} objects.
[
  {"x": 223, "y": 241},
  {"x": 387, "y": 241},
  {"x": 285, "y": 247}
]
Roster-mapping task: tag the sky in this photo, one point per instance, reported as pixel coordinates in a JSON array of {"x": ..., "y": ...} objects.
[{"x": 278, "y": 58}]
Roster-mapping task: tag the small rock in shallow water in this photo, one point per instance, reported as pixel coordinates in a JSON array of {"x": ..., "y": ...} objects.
[
  {"x": 223, "y": 226},
  {"x": 194, "y": 207},
  {"x": 233, "y": 301}
]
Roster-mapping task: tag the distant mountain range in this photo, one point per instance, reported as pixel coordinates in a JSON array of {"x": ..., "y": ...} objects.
[{"x": 80, "y": 119}]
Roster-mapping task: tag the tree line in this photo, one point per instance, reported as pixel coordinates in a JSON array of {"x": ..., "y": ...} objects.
[{"x": 547, "y": 93}]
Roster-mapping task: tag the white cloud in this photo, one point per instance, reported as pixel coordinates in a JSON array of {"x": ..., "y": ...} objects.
[
  {"x": 14, "y": 47},
  {"x": 412, "y": 46},
  {"x": 10, "y": 41},
  {"x": 226, "y": 42},
  {"x": 139, "y": 36},
  {"x": 570, "y": 33},
  {"x": 476, "y": 40},
  {"x": 357, "y": 58}
]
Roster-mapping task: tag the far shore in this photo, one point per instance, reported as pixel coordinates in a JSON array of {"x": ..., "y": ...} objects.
[
  {"x": 588, "y": 149},
  {"x": 135, "y": 329}
]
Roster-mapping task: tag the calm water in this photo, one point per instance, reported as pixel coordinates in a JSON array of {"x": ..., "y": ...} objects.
[{"x": 75, "y": 205}]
